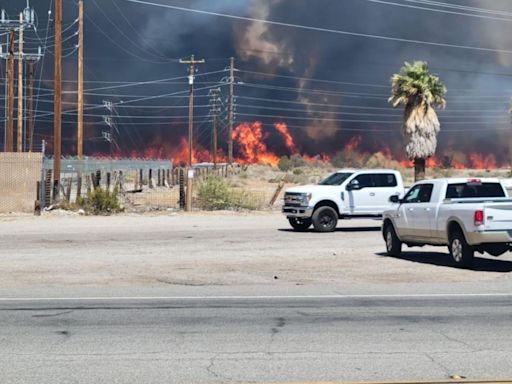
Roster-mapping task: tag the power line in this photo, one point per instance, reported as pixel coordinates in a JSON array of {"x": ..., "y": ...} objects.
[
  {"x": 135, "y": 29},
  {"x": 113, "y": 41},
  {"x": 316, "y": 91},
  {"x": 353, "y": 121},
  {"x": 312, "y": 79},
  {"x": 309, "y": 111},
  {"x": 128, "y": 38},
  {"x": 458, "y": 6},
  {"x": 385, "y": 130},
  {"x": 439, "y": 10},
  {"x": 348, "y": 83},
  {"x": 352, "y": 106},
  {"x": 320, "y": 29}
]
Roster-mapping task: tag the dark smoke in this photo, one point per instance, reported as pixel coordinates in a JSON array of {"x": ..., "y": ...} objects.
[{"x": 475, "y": 80}]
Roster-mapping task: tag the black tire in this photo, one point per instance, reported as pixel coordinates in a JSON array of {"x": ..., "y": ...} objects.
[
  {"x": 325, "y": 219},
  {"x": 462, "y": 253},
  {"x": 299, "y": 225},
  {"x": 393, "y": 243}
]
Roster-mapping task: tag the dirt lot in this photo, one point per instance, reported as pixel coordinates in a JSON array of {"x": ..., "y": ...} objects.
[{"x": 223, "y": 249}]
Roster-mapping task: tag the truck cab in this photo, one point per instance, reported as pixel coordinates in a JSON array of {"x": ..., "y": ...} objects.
[{"x": 347, "y": 193}]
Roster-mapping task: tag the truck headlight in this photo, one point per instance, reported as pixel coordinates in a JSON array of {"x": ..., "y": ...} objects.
[{"x": 305, "y": 198}]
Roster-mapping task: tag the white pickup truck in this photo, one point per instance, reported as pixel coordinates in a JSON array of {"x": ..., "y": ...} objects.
[
  {"x": 467, "y": 215},
  {"x": 347, "y": 193}
]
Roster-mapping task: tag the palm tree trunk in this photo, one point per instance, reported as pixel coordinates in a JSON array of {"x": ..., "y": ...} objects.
[{"x": 419, "y": 169}]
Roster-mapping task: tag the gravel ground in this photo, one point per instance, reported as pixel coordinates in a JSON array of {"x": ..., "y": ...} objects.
[{"x": 218, "y": 250}]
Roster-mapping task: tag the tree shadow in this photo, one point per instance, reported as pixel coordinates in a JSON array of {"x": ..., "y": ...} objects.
[
  {"x": 480, "y": 264},
  {"x": 351, "y": 229}
]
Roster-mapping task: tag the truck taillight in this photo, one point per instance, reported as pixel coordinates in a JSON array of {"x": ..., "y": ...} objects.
[{"x": 479, "y": 218}]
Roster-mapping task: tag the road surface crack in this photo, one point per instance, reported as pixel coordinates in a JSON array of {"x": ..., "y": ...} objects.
[
  {"x": 455, "y": 340},
  {"x": 443, "y": 367},
  {"x": 210, "y": 370}
]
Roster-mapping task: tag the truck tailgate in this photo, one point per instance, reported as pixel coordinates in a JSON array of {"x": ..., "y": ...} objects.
[{"x": 498, "y": 216}]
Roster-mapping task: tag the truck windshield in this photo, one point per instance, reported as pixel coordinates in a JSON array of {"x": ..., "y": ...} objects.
[
  {"x": 336, "y": 178},
  {"x": 465, "y": 190}
]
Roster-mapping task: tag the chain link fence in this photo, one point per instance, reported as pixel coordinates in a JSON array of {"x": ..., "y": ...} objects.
[{"x": 26, "y": 181}]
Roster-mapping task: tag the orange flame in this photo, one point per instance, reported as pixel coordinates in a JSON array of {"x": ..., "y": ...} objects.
[
  {"x": 282, "y": 128},
  {"x": 252, "y": 149},
  {"x": 457, "y": 165},
  {"x": 433, "y": 162},
  {"x": 353, "y": 143},
  {"x": 480, "y": 161}
]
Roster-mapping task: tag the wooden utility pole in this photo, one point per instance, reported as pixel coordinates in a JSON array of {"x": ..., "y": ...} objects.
[
  {"x": 57, "y": 129},
  {"x": 192, "y": 72},
  {"x": 215, "y": 139},
  {"x": 30, "y": 105},
  {"x": 80, "y": 123},
  {"x": 215, "y": 110},
  {"x": 19, "y": 146},
  {"x": 190, "y": 185},
  {"x": 231, "y": 108},
  {"x": 9, "y": 142}
]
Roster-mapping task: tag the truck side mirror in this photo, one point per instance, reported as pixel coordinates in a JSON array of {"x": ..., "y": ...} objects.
[
  {"x": 395, "y": 199},
  {"x": 353, "y": 186}
]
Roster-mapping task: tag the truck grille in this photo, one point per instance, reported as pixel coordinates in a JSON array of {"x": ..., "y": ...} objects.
[{"x": 293, "y": 199}]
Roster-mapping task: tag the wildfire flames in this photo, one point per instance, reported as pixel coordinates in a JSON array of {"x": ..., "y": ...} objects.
[
  {"x": 250, "y": 139},
  {"x": 251, "y": 146}
]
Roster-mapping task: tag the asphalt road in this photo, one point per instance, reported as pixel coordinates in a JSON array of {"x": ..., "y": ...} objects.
[
  {"x": 299, "y": 327},
  {"x": 258, "y": 339}
]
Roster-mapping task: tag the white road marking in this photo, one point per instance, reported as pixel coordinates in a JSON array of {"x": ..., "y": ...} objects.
[{"x": 266, "y": 297}]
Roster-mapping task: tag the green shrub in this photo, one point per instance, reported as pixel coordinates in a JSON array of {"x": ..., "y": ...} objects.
[
  {"x": 284, "y": 164},
  {"x": 216, "y": 194},
  {"x": 287, "y": 163},
  {"x": 350, "y": 158},
  {"x": 100, "y": 202},
  {"x": 338, "y": 160},
  {"x": 297, "y": 161}
]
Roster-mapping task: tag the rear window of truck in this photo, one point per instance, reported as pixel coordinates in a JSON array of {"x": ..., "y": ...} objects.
[{"x": 468, "y": 190}]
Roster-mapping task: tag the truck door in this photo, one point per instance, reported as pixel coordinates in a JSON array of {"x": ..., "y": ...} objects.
[
  {"x": 361, "y": 195},
  {"x": 386, "y": 185},
  {"x": 417, "y": 212}
]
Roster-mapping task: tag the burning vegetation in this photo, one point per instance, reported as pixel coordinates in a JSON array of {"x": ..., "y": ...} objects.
[{"x": 253, "y": 142}]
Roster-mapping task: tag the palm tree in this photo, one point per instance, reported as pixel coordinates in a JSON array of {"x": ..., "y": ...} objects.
[{"x": 420, "y": 92}]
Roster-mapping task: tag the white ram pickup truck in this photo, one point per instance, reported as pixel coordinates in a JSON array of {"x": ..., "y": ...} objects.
[
  {"x": 467, "y": 215},
  {"x": 347, "y": 193}
]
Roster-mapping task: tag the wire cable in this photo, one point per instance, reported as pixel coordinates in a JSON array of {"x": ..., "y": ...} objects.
[{"x": 320, "y": 29}]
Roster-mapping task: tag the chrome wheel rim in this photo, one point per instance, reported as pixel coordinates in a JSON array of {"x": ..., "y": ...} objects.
[
  {"x": 389, "y": 240},
  {"x": 457, "y": 250}
]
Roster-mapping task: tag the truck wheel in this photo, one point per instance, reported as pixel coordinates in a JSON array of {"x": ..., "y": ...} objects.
[
  {"x": 299, "y": 225},
  {"x": 462, "y": 253},
  {"x": 325, "y": 219},
  {"x": 393, "y": 243}
]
